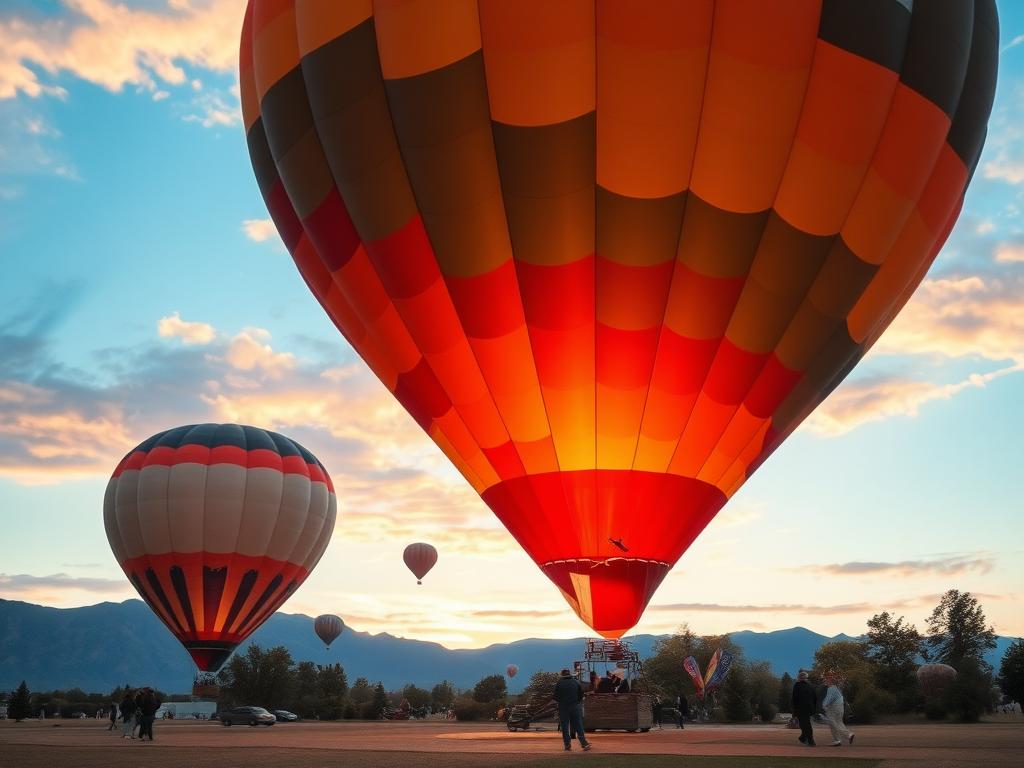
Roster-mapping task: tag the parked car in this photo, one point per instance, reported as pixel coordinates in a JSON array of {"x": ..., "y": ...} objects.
[
  {"x": 247, "y": 716},
  {"x": 284, "y": 716}
]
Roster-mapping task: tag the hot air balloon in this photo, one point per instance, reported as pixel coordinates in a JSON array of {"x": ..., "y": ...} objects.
[
  {"x": 216, "y": 525},
  {"x": 609, "y": 255},
  {"x": 419, "y": 558},
  {"x": 511, "y": 670},
  {"x": 328, "y": 627},
  {"x": 935, "y": 679}
]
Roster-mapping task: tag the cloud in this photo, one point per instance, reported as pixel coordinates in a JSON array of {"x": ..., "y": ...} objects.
[
  {"x": 173, "y": 327},
  {"x": 516, "y": 614},
  {"x": 957, "y": 565},
  {"x": 22, "y": 583},
  {"x": 1009, "y": 253},
  {"x": 863, "y": 401},
  {"x": 975, "y": 318},
  {"x": 259, "y": 230},
  {"x": 802, "y": 608},
  {"x": 112, "y": 45},
  {"x": 215, "y": 109},
  {"x": 246, "y": 352}
]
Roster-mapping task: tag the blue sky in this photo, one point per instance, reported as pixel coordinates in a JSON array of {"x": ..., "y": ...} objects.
[{"x": 136, "y": 296}]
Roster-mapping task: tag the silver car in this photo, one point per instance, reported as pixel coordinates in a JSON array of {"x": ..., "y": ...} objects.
[{"x": 247, "y": 716}]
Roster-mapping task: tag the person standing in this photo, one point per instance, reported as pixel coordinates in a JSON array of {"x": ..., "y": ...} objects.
[
  {"x": 684, "y": 709},
  {"x": 128, "y": 715},
  {"x": 148, "y": 705},
  {"x": 113, "y": 716},
  {"x": 805, "y": 701},
  {"x": 569, "y": 698},
  {"x": 835, "y": 707}
]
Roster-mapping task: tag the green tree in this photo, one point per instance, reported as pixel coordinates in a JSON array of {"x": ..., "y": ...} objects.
[
  {"x": 970, "y": 694},
  {"x": 1011, "y": 672},
  {"x": 958, "y": 630},
  {"x": 442, "y": 695},
  {"x": 764, "y": 690},
  {"x": 416, "y": 696},
  {"x": 541, "y": 687},
  {"x": 259, "y": 677},
  {"x": 490, "y": 688},
  {"x": 664, "y": 670},
  {"x": 306, "y": 691},
  {"x": 379, "y": 701},
  {"x": 332, "y": 685},
  {"x": 736, "y": 694},
  {"x": 20, "y": 705},
  {"x": 362, "y": 691},
  {"x": 844, "y": 657},
  {"x": 894, "y": 648},
  {"x": 785, "y": 700}
]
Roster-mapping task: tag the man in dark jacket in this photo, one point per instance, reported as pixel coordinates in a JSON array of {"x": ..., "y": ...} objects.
[
  {"x": 607, "y": 684},
  {"x": 128, "y": 715},
  {"x": 569, "y": 696},
  {"x": 148, "y": 705},
  {"x": 805, "y": 702}
]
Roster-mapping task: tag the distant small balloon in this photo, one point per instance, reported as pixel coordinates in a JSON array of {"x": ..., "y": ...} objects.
[
  {"x": 328, "y": 627},
  {"x": 511, "y": 670},
  {"x": 420, "y": 558}
]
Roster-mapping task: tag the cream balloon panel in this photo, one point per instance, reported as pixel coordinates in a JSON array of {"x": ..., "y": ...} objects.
[{"x": 220, "y": 509}]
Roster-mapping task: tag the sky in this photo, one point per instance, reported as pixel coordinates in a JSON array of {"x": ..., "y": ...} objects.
[{"x": 143, "y": 286}]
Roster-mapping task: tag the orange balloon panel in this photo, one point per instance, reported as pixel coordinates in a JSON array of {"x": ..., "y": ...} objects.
[{"x": 609, "y": 254}]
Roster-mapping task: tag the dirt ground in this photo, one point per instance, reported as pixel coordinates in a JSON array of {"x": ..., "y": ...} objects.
[{"x": 192, "y": 744}]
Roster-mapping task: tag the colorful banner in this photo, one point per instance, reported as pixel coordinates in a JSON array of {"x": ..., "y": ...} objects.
[
  {"x": 693, "y": 669},
  {"x": 712, "y": 665},
  {"x": 719, "y": 668}
]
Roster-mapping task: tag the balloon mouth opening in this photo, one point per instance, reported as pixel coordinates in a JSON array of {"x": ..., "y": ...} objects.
[
  {"x": 418, "y": 581},
  {"x": 209, "y": 656},
  {"x": 609, "y": 594}
]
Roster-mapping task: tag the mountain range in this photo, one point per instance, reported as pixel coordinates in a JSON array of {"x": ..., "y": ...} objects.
[{"x": 99, "y": 647}]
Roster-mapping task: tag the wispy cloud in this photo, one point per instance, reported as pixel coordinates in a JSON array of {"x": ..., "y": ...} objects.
[
  {"x": 808, "y": 609},
  {"x": 1012, "y": 252},
  {"x": 22, "y": 583},
  {"x": 112, "y": 45},
  {"x": 975, "y": 318},
  {"x": 957, "y": 565},
  {"x": 190, "y": 332}
]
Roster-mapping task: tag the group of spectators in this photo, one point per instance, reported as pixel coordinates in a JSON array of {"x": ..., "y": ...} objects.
[{"x": 137, "y": 711}]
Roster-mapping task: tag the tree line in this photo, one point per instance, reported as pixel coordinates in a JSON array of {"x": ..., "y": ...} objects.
[{"x": 878, "y": 670}]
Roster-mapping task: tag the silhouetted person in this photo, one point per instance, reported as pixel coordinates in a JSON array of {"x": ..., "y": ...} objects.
[
  {"x": 148, "y": 705},
  {"x": 684, "y": 709},
  {"x": 113, "y": 716},
  {"x": 569, "y": 697},
  {"x": 128, "y": 715},
  {"x": 805, "y": 702}
]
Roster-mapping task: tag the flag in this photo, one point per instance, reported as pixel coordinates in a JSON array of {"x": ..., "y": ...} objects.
[
  {"x": 693, "y": 669},
  {"x": 718, "y": 669}
]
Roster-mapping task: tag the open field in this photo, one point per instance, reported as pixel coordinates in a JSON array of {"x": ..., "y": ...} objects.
[{"x": 87, "y": 744}]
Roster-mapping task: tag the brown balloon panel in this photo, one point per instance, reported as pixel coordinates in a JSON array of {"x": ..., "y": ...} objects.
[
  {"x": 211, "y": 603},
  {"x": 609, "y": 255}
]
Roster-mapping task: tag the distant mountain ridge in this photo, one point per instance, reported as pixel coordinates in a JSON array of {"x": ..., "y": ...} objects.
[{"x": 99, "y": 647}]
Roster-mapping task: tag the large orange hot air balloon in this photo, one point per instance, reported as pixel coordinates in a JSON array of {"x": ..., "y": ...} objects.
[
  {"x": 216, "y": 525},
  {"x": 608, "y": 254}
]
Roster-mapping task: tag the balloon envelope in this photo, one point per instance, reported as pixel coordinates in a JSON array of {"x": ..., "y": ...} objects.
[
  {"x": 609, "y": 255},
  {"x": 419, "y": 558},
  {"x": 328, "y": 627},
  {"x": 511, "y": 670},
  {"x": 216, "y": 525},
  {"x": 935, "y": 679}
]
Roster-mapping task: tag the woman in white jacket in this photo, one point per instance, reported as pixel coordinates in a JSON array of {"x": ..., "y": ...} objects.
[{"x": 834, "y": 706}]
